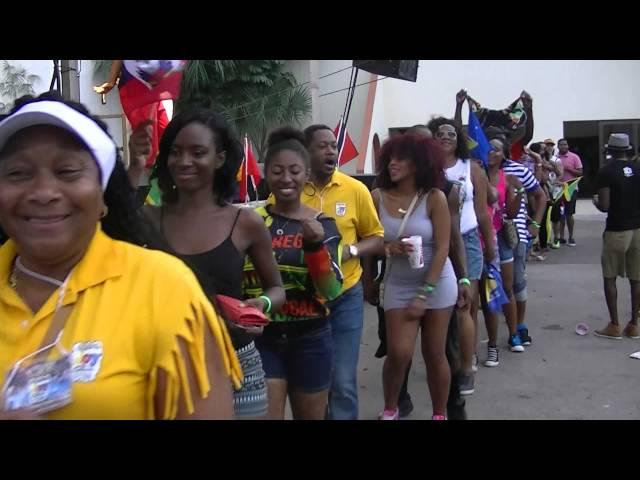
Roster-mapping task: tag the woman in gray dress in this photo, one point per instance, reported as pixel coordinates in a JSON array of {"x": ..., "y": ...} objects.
[{"x": 415, "y": 298}]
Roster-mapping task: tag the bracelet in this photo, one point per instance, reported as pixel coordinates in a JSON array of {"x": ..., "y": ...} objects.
[
  {"x": 422, "y": 297},
  {"x": 266, "y": 300},
  {"x": 464, "y": 281},
  {"x": 535, "y": 224},
  {"x": 429, "y": 288},
  {"x": 520, "y": 190}
]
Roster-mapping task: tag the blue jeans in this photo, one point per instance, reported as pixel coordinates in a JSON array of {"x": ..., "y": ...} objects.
[{"x": 346, "y": 318}]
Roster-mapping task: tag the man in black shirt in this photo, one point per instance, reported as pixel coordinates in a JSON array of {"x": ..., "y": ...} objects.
[{"x": 619, "y": 196}]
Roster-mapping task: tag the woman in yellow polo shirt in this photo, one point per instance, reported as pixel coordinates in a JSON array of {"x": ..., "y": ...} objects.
[{"x": 93, "y": 326}]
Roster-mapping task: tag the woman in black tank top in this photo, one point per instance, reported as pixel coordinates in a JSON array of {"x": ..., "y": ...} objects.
[{"x": 196, "y": 168}]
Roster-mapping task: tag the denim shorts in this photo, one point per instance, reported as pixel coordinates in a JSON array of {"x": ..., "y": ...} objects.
[
  {"x": 475, "y": 258},
  {"x": 505, "y": 251},
  {"x": 304, "y": 360},
  {"x": 519, "y": 272}
]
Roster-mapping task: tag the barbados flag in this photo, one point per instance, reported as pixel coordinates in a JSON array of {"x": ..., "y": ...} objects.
[
  {"x": 494, "y": 292},
  {"x": 479, "y": 145}
]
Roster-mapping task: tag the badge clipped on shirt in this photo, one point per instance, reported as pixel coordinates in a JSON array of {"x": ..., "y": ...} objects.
[
  {"x": 86, "y": 360},
  {"x": 341, "y": 209},
  {"x": 41, "y": 386}
]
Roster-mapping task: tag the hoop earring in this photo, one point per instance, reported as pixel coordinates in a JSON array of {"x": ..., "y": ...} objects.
[{"x": 313, "y": 189}]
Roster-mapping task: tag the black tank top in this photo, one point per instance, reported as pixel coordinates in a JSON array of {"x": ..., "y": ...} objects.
[{"x": 219, "y": 271}]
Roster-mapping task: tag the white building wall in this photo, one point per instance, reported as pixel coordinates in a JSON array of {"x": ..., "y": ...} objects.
[{"x": 562, "y": 90}]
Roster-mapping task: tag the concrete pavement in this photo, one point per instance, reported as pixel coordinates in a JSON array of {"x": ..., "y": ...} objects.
[{"x": 561, "y": 375}]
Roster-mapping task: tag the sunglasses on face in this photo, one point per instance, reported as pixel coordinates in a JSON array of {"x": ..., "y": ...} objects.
[{"x": 446, "y": 133}]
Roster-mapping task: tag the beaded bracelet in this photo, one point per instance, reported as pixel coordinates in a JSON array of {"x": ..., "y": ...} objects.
[{"x": 429, "y": 288}]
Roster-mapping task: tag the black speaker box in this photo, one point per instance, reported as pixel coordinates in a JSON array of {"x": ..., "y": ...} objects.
[{"x": 401, "y": 69}]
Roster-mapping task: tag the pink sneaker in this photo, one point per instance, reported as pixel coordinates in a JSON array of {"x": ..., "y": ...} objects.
[
  {"x": 438, "y": 417},
  {"x": 389, "y": 415}
]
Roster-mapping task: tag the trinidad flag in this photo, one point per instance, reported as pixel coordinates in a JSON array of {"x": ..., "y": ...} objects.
[
  {"x": 347, "y": 150},
  {"x": 142, "y": 87},
  {"x": 249, "y": 175}
]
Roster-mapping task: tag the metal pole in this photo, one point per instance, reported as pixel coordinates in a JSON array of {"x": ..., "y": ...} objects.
[{"x": 70, "y": 80}]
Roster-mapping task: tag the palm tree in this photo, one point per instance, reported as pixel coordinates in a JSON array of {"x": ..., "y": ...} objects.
[
  {"x": 101, "y": 70},
  {"x": 254, "y": 95},
  {"x": 15, "y": 82}
]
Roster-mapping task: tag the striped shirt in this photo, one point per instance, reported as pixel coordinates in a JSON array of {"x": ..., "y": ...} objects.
[{"x": 530, "y": 184}]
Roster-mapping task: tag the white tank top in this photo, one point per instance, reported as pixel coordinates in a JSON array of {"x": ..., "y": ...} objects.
[{"x": 460, "y": 174}]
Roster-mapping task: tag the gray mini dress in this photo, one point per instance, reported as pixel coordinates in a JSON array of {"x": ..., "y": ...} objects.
[{"x": 403, "y": 282}]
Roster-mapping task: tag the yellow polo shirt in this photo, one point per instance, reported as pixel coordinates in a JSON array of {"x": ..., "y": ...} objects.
[
  {"x": 134, "y": 303},
  {"x": 349, "y": 202}
]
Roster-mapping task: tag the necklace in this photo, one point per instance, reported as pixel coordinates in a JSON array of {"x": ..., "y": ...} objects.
[
  {"x": 280, "y": 229},
  {"x": 13, "y": 280}
]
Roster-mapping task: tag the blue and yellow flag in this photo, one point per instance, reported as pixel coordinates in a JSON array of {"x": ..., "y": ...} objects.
[
  {"x": 478, "y": 140},
  {"x": 494, "y": 293}
]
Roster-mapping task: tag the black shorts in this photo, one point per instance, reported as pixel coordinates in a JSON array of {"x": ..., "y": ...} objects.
[
  {"x": 570, "y": 206},
  {"x": 556, "y": 214}
]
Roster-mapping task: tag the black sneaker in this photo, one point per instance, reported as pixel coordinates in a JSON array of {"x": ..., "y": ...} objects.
[
  {"x": 405, "y": 406},
  {"x": 381, "y": 351},
  {"x": 562, "y": 241},
  {"x": 571, "y": 242},
  {"x": 466, "y": 384},
  {"x": 524, "y": 336},
  {"x": 456, "y": 408}
]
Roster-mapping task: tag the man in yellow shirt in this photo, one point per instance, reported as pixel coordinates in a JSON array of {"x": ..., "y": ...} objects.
[{"x": 349, "y": 202}]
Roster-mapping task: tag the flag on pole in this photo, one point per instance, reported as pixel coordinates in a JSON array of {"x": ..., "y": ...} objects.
[
  {"x": 346, "y": 149},
  {"x": 480, "y": 146},
  {"x": 248, "y": 175}
]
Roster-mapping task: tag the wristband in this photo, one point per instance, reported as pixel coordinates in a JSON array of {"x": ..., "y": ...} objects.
[
  {"x": 464, "y": 281},
  {"x": 422, "y": 297},
  {"x": 520, "y": 190},
  {"x": 535, "y": 224},
  {"x": 266, "y": 300}
]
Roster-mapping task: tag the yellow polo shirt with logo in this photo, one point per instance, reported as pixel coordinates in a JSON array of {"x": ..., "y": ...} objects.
[
  {"x": 349, "y": 202},
  {"x": 132, "y": 304}
]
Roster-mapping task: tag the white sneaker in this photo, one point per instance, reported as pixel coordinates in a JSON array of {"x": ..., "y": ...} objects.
[{"x": 474, "y": 365}]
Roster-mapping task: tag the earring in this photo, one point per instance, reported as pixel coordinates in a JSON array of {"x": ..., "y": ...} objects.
[{"x": 105, "y": 212}]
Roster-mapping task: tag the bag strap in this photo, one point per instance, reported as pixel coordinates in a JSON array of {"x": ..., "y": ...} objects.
[
  {"x": 401, "y": 230},
  {"x": 408, "y": 214}
]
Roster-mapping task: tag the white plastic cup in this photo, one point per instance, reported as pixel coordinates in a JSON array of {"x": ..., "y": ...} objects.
[{"x": 416, "y": 259}]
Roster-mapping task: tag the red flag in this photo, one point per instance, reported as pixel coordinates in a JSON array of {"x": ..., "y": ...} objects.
[
  {"x": 249, "y": 174},
  {"x": 142, "y": 87},
  {"x": 348, "y": 150},
  {"x": 149, "y": 81}
]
